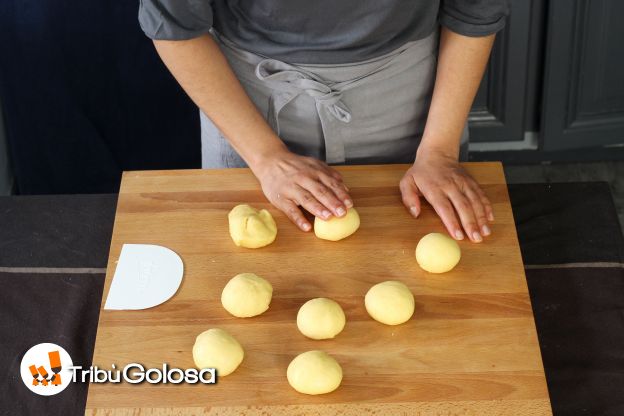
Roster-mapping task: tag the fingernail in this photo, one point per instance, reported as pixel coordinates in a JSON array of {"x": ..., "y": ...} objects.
[
  {"x": 305, "y": 226},
  {"x": 459, "y": 235},
  {"x": 341, "y": 211},
  {"x": 486, "y": 230},
  {"x": 477, "y": 237},
  {"x": 491, "y": 216},
  {"x": 414, "y": 211},
  {"x": 348, "y": 203},
  {"x": 325, "y": 214}
]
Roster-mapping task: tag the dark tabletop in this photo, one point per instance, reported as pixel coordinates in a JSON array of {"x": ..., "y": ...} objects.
[{"x": 54, "y": 250}]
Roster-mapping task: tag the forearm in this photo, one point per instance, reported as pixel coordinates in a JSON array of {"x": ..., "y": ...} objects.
[
  {"x": 461, "y": 63},
  {"x": 203, "y": 71}
]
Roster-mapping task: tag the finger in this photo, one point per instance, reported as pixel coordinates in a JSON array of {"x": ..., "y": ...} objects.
[
  {"x": 338, "y": 188},
  {"x": 329, "y": 171},
  {"x": 295, "y": 215},
  {"x": 479, "y": 210},
  {"x": 318, "y": 165},
  {"x": 489, "y": 212},
  {"x": 324, "y": 195},
  {"x": 445, "y": 211},
  {"x": 334, "y": 174},
  {"x": 409, "y": 195},
  {"x": 466, "y": 215},
  {"x": 306, "y": 199}
]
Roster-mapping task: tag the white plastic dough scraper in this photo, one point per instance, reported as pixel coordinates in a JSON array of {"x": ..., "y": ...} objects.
[{"x": 146, "y": 275}]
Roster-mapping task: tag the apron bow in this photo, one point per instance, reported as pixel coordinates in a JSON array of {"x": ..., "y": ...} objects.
[{"x": 287, "y": 82}]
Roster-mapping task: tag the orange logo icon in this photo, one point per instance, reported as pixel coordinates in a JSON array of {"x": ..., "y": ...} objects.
[
  {"x": 45, "y": 369},
  {"x": 55, "y": 366}
]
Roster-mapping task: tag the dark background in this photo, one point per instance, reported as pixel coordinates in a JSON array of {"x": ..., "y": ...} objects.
[
  {"x": 554, "y": 90},
  {"x": 85, "y": 96}
]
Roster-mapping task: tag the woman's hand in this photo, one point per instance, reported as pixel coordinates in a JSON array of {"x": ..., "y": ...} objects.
[
  {"x": 290, "y": 181},
  {"x": 451, "y": 191}
]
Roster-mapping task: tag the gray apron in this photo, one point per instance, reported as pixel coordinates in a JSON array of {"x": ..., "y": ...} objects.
[{"x": 362, "y": 113}]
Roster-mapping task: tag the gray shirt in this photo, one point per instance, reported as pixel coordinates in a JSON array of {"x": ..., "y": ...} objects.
[{"x": 319, "y": 31}]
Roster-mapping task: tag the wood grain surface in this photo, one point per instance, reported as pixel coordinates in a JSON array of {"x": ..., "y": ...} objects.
[{"x": 470, "y": 348}]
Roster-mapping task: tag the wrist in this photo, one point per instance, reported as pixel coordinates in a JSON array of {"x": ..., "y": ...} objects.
[
  {"x": 437, "y": 148},
  {"x": 263, "y": 158}
]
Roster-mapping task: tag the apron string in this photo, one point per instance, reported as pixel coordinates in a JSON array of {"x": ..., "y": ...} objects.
[{"x": 287, "y": 82}]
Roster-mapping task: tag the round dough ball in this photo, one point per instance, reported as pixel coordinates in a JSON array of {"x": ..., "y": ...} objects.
[
  {"x": 314, "y": 372},
  {"x": 246, "y": 295},
  {"x": 390, "y": 302},
  {"x": 215, "y": 348},
  {"x": 320, "y": 318},
  {"x": 251, "y": 228},
  {"x": 437, "y": 253},
  {"x": 337, "y": 228}
]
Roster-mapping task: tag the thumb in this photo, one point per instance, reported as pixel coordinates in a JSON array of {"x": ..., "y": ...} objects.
[
  {"x": 295, "y": 215},
  {"x": 409, "y": 195}
]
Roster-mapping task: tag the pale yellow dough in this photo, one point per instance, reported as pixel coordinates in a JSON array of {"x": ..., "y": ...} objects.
[
  {"x": 390, "y": 302},
  {"x": 437, "y": 253},
  {"x": 320, "y": 318},
  {"x": 251, "y": 228},
  {"x": 314, "y": 372},
  {"x": 215, "y": 348},
  {"x": 337, "y": 228},
  {"x": 246, "y": 295}
]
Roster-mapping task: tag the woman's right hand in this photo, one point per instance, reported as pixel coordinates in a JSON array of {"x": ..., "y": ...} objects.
[{"x": 290, "y": 181}]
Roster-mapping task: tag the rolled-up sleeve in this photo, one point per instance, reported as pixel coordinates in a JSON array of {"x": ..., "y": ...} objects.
[
  {"x": 474, "y": 17},
  {"x": 175, "y": 19}
]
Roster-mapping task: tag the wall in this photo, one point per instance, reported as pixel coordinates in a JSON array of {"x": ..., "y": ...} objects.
[{"x": 6, "y": 179}]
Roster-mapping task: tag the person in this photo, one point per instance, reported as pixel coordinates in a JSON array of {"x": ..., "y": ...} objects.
[{"x": 291, "y": 87}]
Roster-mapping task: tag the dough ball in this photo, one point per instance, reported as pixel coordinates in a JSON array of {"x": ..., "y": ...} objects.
[
  {"x": 246, "y": 295},
  {"x": 437, "y": 253},
  {"x": 337, "y": 228},
  {"x": 320, "y": 318},
  {"x": 390, "y": 302},
  {"x": 216, "y": 348},
  {"x": 314, "y": 372},
  {"x": 251, "y": 228}
]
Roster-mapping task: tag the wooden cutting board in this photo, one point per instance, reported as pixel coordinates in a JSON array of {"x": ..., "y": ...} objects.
[{"x": 470, "y": 348}]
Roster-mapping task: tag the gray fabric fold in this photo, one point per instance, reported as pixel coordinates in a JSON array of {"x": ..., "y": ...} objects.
[{"x": 366, "y": 112}]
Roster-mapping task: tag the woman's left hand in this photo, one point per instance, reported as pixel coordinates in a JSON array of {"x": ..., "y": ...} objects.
[{"x": 451, "y": 191}]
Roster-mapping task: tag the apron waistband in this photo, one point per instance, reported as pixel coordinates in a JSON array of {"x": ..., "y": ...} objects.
[{"x": 288, "y": 81}]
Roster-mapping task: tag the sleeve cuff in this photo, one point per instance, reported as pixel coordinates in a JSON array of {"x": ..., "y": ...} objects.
[
  {"x": 160, "y": 21},
  {"x": 470, "y": 29}
]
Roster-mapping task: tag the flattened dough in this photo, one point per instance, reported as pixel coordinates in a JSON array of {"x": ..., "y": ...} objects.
[
  {"x": 390, "y": 302},
  {"x": 246, "y": 295},
  {"x": 337, "y": 228},
  {"x": 437, "y": 253},
  {"x": 314, "y": 372},
  {"x": 251, "y": 228},
  {"x": 215, "y": 348},
  {"x": 320, "y": 318}
]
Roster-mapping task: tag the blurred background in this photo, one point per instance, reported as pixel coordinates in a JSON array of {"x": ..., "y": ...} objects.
[{"x": 84, "y": 97}]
